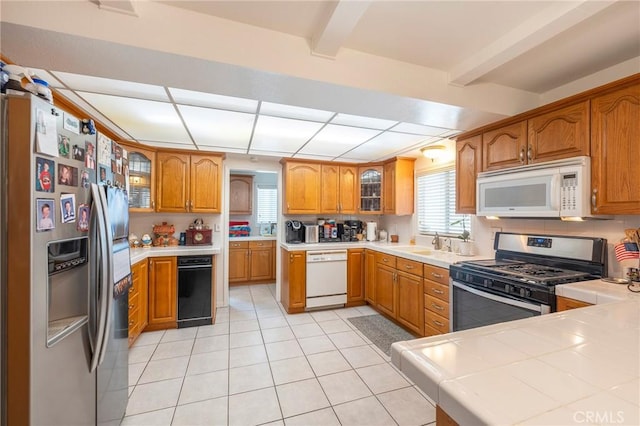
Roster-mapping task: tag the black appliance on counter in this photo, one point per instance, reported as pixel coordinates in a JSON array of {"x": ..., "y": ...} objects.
[
  {"x": 520, "y": 281},
  {"x": 351, "y": 229},
  {"x": 294, "y": 232}
]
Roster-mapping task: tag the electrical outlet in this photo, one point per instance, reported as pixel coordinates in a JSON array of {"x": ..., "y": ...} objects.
[
  {"x": 495, "y": 229},
  {"x": 216, "y": 227}
]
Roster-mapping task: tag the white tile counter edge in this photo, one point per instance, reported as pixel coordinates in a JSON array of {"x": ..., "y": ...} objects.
[
  {"x": 138, "y": 254},
  {"x": 438, "y": 258}
]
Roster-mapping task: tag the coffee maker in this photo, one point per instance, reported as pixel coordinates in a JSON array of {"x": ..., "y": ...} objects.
[
  {"x": 294, "y": 232},
  {"x": 351, "y": 229}
]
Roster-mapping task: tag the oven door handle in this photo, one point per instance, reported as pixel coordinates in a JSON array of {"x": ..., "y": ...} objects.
[{"x": 543, "y": 309}]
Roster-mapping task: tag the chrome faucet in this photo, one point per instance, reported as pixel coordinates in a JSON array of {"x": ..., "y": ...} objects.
[{"x": 436, "y": 242}]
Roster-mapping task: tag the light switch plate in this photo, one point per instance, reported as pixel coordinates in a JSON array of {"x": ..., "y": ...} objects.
[{"x": 216, "y": 227}]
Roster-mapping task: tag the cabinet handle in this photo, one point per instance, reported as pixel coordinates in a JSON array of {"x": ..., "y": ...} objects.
[
  {"x": 438, "y": 307},
  {"x": 151, "y": 263},
  {"x": 522, "y": 155},
  {"x": 153, "y": 205},
  {"x": 131, "y": 289},
  {"x": 132, "y": 306},
  {"x": 131, "y": 322},
  {"x": 438, "y": 323},
  {"x": 530, "y": 153},
  {"x": 593, "y": 199},
  {"x": 191, "y": 204},
  {"x": 438, "y": 291},
  {"x": 186, "y": 205},
  {"x": 436, "y": 275},
  {"x": 408, "y": 266},
  {"x": 384, "y": 259}
]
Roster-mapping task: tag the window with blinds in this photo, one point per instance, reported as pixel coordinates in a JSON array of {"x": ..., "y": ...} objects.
[
  {"x": 436, "y": 199},
  {"x": 267, "y": 204}
]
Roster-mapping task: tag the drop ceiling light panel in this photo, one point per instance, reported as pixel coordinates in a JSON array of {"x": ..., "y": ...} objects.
[
  {"x": 419, "y": 129},
  {"x": 334, "y": 140},
  {"x": 107, "y": 86},
  {"x": 210, "y": 100},
  {"x": 359, "y": 121},
  {"x": 282, "y": 134},
  {"x": 300, "y": 113},
  {"x": 216, "y": 127},
  {"x": 143, "y": 120},
  {"x": 383, "y": 145},
  {"x": 77, "y": 100}
]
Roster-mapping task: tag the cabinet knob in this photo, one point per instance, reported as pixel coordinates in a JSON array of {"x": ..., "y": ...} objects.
[
  {"x": 132, "y": 306},
  {"x": 186, "y": 205},
  {"x": 131, "y": 322},
  {"x": 191, "y": 204}
]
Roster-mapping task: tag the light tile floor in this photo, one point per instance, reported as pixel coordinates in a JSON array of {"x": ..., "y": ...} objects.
[{"x": 258, "y": 365}]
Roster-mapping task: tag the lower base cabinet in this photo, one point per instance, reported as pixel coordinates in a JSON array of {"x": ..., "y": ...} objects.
[
  {"x": 293, "y": 292},
  {"x": 436, "y": 300},
  {"x": 251, "y": 262},
  {"x": 355, "y": 277},
  {"x": 565, "y": 303},
  {"x": 163, "y": 293},
  {"x": 138, "y": 303}
]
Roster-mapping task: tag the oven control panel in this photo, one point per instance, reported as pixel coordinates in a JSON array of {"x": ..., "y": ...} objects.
[{"x": 539, "y": 242}]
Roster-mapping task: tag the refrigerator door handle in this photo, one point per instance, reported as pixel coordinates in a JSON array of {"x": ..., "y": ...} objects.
[
  {"x": 109, "y": 283},
  {"x": 103, "y": 277}
]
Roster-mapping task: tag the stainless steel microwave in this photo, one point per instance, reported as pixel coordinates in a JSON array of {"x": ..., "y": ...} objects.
[{"x": 555, "y": 189}]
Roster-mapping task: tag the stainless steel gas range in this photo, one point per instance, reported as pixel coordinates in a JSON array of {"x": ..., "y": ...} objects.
[{"x": 520, "y": 281}]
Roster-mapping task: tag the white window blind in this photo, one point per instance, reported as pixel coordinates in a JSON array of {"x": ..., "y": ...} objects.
[
  {"x": 267, "y": 204},
  {"x": 436, "y": 195}
]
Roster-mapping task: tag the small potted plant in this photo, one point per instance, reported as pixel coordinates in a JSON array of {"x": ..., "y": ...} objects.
[{"x": 464, "y": 245}]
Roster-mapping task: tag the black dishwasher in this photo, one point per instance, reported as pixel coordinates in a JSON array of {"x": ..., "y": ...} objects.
[{"x": 194, "y": 290}]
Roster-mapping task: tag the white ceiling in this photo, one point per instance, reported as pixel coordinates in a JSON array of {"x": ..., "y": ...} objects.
[{"x": 426, "y": 70}]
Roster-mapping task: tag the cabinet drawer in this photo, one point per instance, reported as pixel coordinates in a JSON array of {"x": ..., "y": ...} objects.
[
  {"x": 431, "y": 331},
  {"x": 437, "y": 290},
  {"x": 239, "y": 244},
  {"x": 436, "y": 306},
  {"x": 260, "y": 244},
  {"x": 386, "y": 259},
  {"x": 437, "y": 274},
  {"x": 134, "y": 317},
  {"x": 409, "y": 266},
  {"x": 133, "y": 302},
  {"x": 436, "y": 322},
  {"x": 133, "y": 290}
]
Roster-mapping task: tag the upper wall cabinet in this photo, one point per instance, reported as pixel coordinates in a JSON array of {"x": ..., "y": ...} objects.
[
  {"x": 142, "y": 179},
  {"x": 302, "y": 187},
  {"x": 504, "y": 147},
  {"x": 370, "y": 194},
  {"x": 398, "y": 186},
  {"x": 468, "y": 165},
  {"x": 189, "y": 183},
  {"x": 240, "y": 194},
  {"x": 339, "y": 189},
  {"x": 559, "y": 134},
  {"x": 615, "y": 148}
]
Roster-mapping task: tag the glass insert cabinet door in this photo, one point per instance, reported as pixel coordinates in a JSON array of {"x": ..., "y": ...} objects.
[
  {"x": 141, "y": 180},
  {"x": 370, "y": 189}
]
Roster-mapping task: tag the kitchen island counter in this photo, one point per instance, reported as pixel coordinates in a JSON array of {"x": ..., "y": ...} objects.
[{"x": 573, "y": 367}]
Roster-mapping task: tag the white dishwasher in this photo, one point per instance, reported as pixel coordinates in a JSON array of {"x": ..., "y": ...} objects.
[{"x": 326, "y": 278}]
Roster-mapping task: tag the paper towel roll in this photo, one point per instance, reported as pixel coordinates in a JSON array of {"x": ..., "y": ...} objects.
[{"x": 372, "y": 231}]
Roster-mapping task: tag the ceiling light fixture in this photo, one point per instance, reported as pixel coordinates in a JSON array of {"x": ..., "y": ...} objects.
[{"x": 433, "y": 151}]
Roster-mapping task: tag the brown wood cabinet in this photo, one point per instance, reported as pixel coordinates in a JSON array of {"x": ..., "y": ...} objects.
[
  {"x": 386, "y": 294},
  {"x": 410, "y": 312},
  {"x": 559, "y": 134},
  {"x": 398, "y": 185},
  {"x": 238, "y": 262},
  {"x": 163, "y": 294},
  {"x": 138, "y": 300},
  {"x": 339, "y": 189},
  {"x": 436, "y": 300},
  {"x": 468, "y": 165},
  {"x": 566, "y": 303},
  {"x": 370, "y": 189},
  {"x": 188, "y": 182},
  {"x": 294, "y": 279},
  {"x": 240, "y": 194},
  {"x": 504, "y": 147},
  {"x": 355, "y": 277},
  {"x": 302, "y": 182},
  {"x": 251, "y": 261},
  {"x": 370, "y": 277},
  {"x": 142, "y": 179},
  {"x": 615, "y": 148}
]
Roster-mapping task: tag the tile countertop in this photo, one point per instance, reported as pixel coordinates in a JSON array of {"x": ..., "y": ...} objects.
[
  {"x": 572, "y": 367},
  {"x": 136, "y": 255},
  {"x": 413, "y": 252}
]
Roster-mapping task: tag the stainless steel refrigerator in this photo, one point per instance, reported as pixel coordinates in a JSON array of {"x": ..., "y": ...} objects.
[{"x": 66, "y": 271}]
